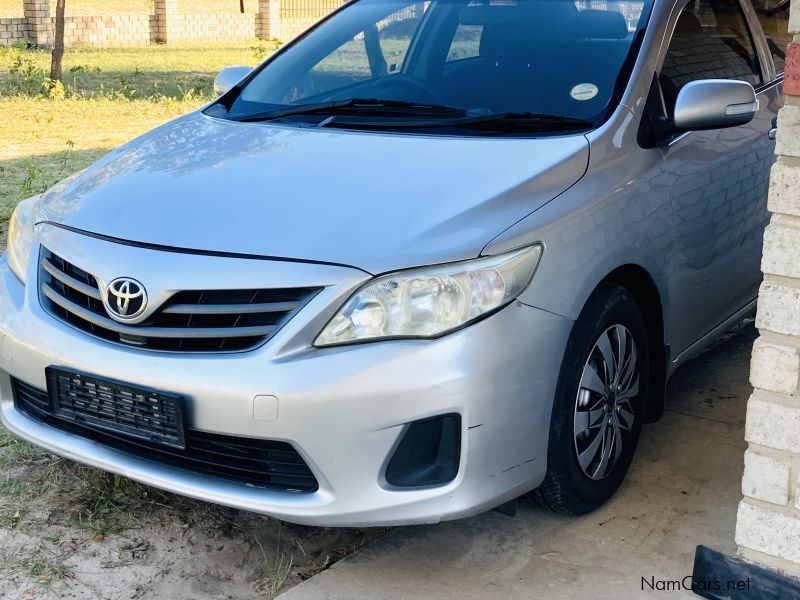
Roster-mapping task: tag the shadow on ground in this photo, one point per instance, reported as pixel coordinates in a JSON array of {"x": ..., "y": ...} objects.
[{"x": 682, "y": 490}]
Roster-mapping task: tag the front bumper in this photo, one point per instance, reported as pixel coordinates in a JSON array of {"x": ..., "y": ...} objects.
[{"x": 343, "y": 408}]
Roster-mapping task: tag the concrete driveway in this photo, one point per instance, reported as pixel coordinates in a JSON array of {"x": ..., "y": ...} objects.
[{"x": 682, "y": 490}]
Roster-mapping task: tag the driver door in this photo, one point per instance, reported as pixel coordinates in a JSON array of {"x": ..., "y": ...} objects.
[{"x": 719, "y": 178}]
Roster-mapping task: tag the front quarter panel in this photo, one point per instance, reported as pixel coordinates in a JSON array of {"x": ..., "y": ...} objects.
[{"x": 618, "y": 214}]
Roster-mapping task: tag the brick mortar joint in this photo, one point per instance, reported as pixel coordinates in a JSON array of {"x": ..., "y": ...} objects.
[
  {"x": 775, "y": 398},
  {"x": 792, "y": 162},
  {"x": 782, "y": 281},
  {"x": 773, "y": 562},
  {"x": 785, "y": 221},
  {"x": 779, "y": 339},
  {"x": 787, "y": 511},
  {"x": 789, "y": 457}
]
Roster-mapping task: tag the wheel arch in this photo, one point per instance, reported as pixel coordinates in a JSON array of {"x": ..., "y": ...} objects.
[{"x": 642, "y": 286}]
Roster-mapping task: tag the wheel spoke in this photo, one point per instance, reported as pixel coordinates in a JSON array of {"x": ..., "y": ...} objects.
[
  {"x": 631, "y": 392},
  {"x": 617, "y": 438},
  {"x": 587, "y": 419},
  {"x": 629, "y": 370},
  {"x": 590, "y": 380},
  {"x": 605, "y": 452},
  {"x": 586, "y": 457},
  {"x": 625, "y": 415},
  {"x": 604, "y": 345}
]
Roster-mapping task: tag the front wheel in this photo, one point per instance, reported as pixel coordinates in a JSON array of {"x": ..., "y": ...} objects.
[{"x": 599, "y": 405}]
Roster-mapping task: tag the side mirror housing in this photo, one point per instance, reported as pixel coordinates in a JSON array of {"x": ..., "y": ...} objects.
[
  {"x": 229, "y": 77},
  {"x": 715, "y": 104}
]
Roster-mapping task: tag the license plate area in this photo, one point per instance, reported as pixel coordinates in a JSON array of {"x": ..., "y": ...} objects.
[{"x": 116, "y": 407}]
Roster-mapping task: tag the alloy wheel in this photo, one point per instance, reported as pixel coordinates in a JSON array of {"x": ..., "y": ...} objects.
[{"x": 604, "y": 412}]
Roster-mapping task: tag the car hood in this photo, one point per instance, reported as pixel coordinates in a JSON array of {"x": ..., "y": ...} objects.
[{"x": 375, "y": 201}]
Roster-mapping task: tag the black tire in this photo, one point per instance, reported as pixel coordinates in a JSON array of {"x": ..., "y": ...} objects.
[{"x": 569, "y": 487}]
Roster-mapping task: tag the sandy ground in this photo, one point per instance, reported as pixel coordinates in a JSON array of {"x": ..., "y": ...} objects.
[{"x": 68, "y": 531}]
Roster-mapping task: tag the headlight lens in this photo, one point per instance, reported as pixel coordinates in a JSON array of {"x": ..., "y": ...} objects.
[
  {"x": 20, "y": 237},
  {"x": 431, "y": 301}
]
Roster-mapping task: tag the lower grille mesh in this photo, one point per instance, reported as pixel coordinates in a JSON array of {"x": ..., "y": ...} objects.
[{"x": 262, "y": 463}]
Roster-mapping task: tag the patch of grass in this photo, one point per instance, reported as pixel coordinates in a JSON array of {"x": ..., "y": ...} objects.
[
  {"x": 15, "y": 452},
  {"x": 104, "y": 503},
  {"x": 146, "y": 72},
  {"x": 43, "y": 565},
  {"x": 277, "y": 569}
]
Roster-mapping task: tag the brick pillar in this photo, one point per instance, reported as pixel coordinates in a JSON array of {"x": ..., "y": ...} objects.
[
  {"x": 39, "y": 23},
  {"x": 768, "y": 523},
  {"x": 268, "y": 19},
  {"x": 166, "y": 12}
]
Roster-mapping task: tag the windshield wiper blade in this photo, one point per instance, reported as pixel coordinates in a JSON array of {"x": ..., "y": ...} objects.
[
  {"x": 528, "y": 118},
  {"x": 334, "y": 106},
  {"x": 479, "y": 121}
]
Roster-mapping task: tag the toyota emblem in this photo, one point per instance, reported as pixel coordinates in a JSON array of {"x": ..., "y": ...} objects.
[{"x": 125, "y": 299}]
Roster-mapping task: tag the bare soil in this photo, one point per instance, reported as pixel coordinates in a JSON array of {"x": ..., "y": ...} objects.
[{"x": 69, "y": 531}]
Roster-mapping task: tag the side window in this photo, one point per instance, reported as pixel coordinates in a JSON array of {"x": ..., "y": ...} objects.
[
  {"x": 711, "y": 41},
  {"x": 774, "y": 17},
  {"x": 466, "y": 42}
]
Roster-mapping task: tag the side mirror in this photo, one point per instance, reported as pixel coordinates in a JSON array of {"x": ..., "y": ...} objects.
[
  {"x": 714, "y": 104},
  {"x": 229, "y": 77}
]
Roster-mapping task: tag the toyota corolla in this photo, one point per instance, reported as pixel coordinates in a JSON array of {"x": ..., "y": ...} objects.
[{"x": 425, "y": 259}]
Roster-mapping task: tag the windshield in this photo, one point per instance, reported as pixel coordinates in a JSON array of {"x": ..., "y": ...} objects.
[{"x": 532, "y": 65}]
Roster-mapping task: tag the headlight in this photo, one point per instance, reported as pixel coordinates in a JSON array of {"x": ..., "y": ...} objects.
[
  {"x": 432, "y": 301},
  {"x": 20, "y": 237}
]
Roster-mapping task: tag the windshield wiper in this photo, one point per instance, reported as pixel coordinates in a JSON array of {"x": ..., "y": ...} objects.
[
  {"x": 354, "y": 104},
  {"x": 478, "y": 120},
  {"x": 541, "y": 118},
  {"x": 392, "y": 114}
]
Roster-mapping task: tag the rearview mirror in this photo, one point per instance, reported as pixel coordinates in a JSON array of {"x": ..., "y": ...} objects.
[
  {"x": 227, "y": 78},
  {"x": 714, "y": 104}
]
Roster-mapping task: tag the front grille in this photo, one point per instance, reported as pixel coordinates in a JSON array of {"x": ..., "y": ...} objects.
[
  {"x": 190, "y": 321},
  {"x": 261, "y": 463}
]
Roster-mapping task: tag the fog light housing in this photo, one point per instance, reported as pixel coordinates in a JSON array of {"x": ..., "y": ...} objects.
[{"x": 428, "y": 455}]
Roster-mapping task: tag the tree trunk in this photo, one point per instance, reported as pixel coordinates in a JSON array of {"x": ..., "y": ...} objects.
[{"x": 58, "y": 43}]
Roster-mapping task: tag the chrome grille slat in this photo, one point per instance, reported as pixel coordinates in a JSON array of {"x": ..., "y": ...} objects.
[
  {"x": 71, "y": 281},
  {"x": 189, "y": 321},
  {"x": 230, "y": 309}
]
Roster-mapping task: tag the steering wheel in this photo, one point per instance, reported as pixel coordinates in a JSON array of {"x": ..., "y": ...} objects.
[{"x": 412, "y": 84}]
